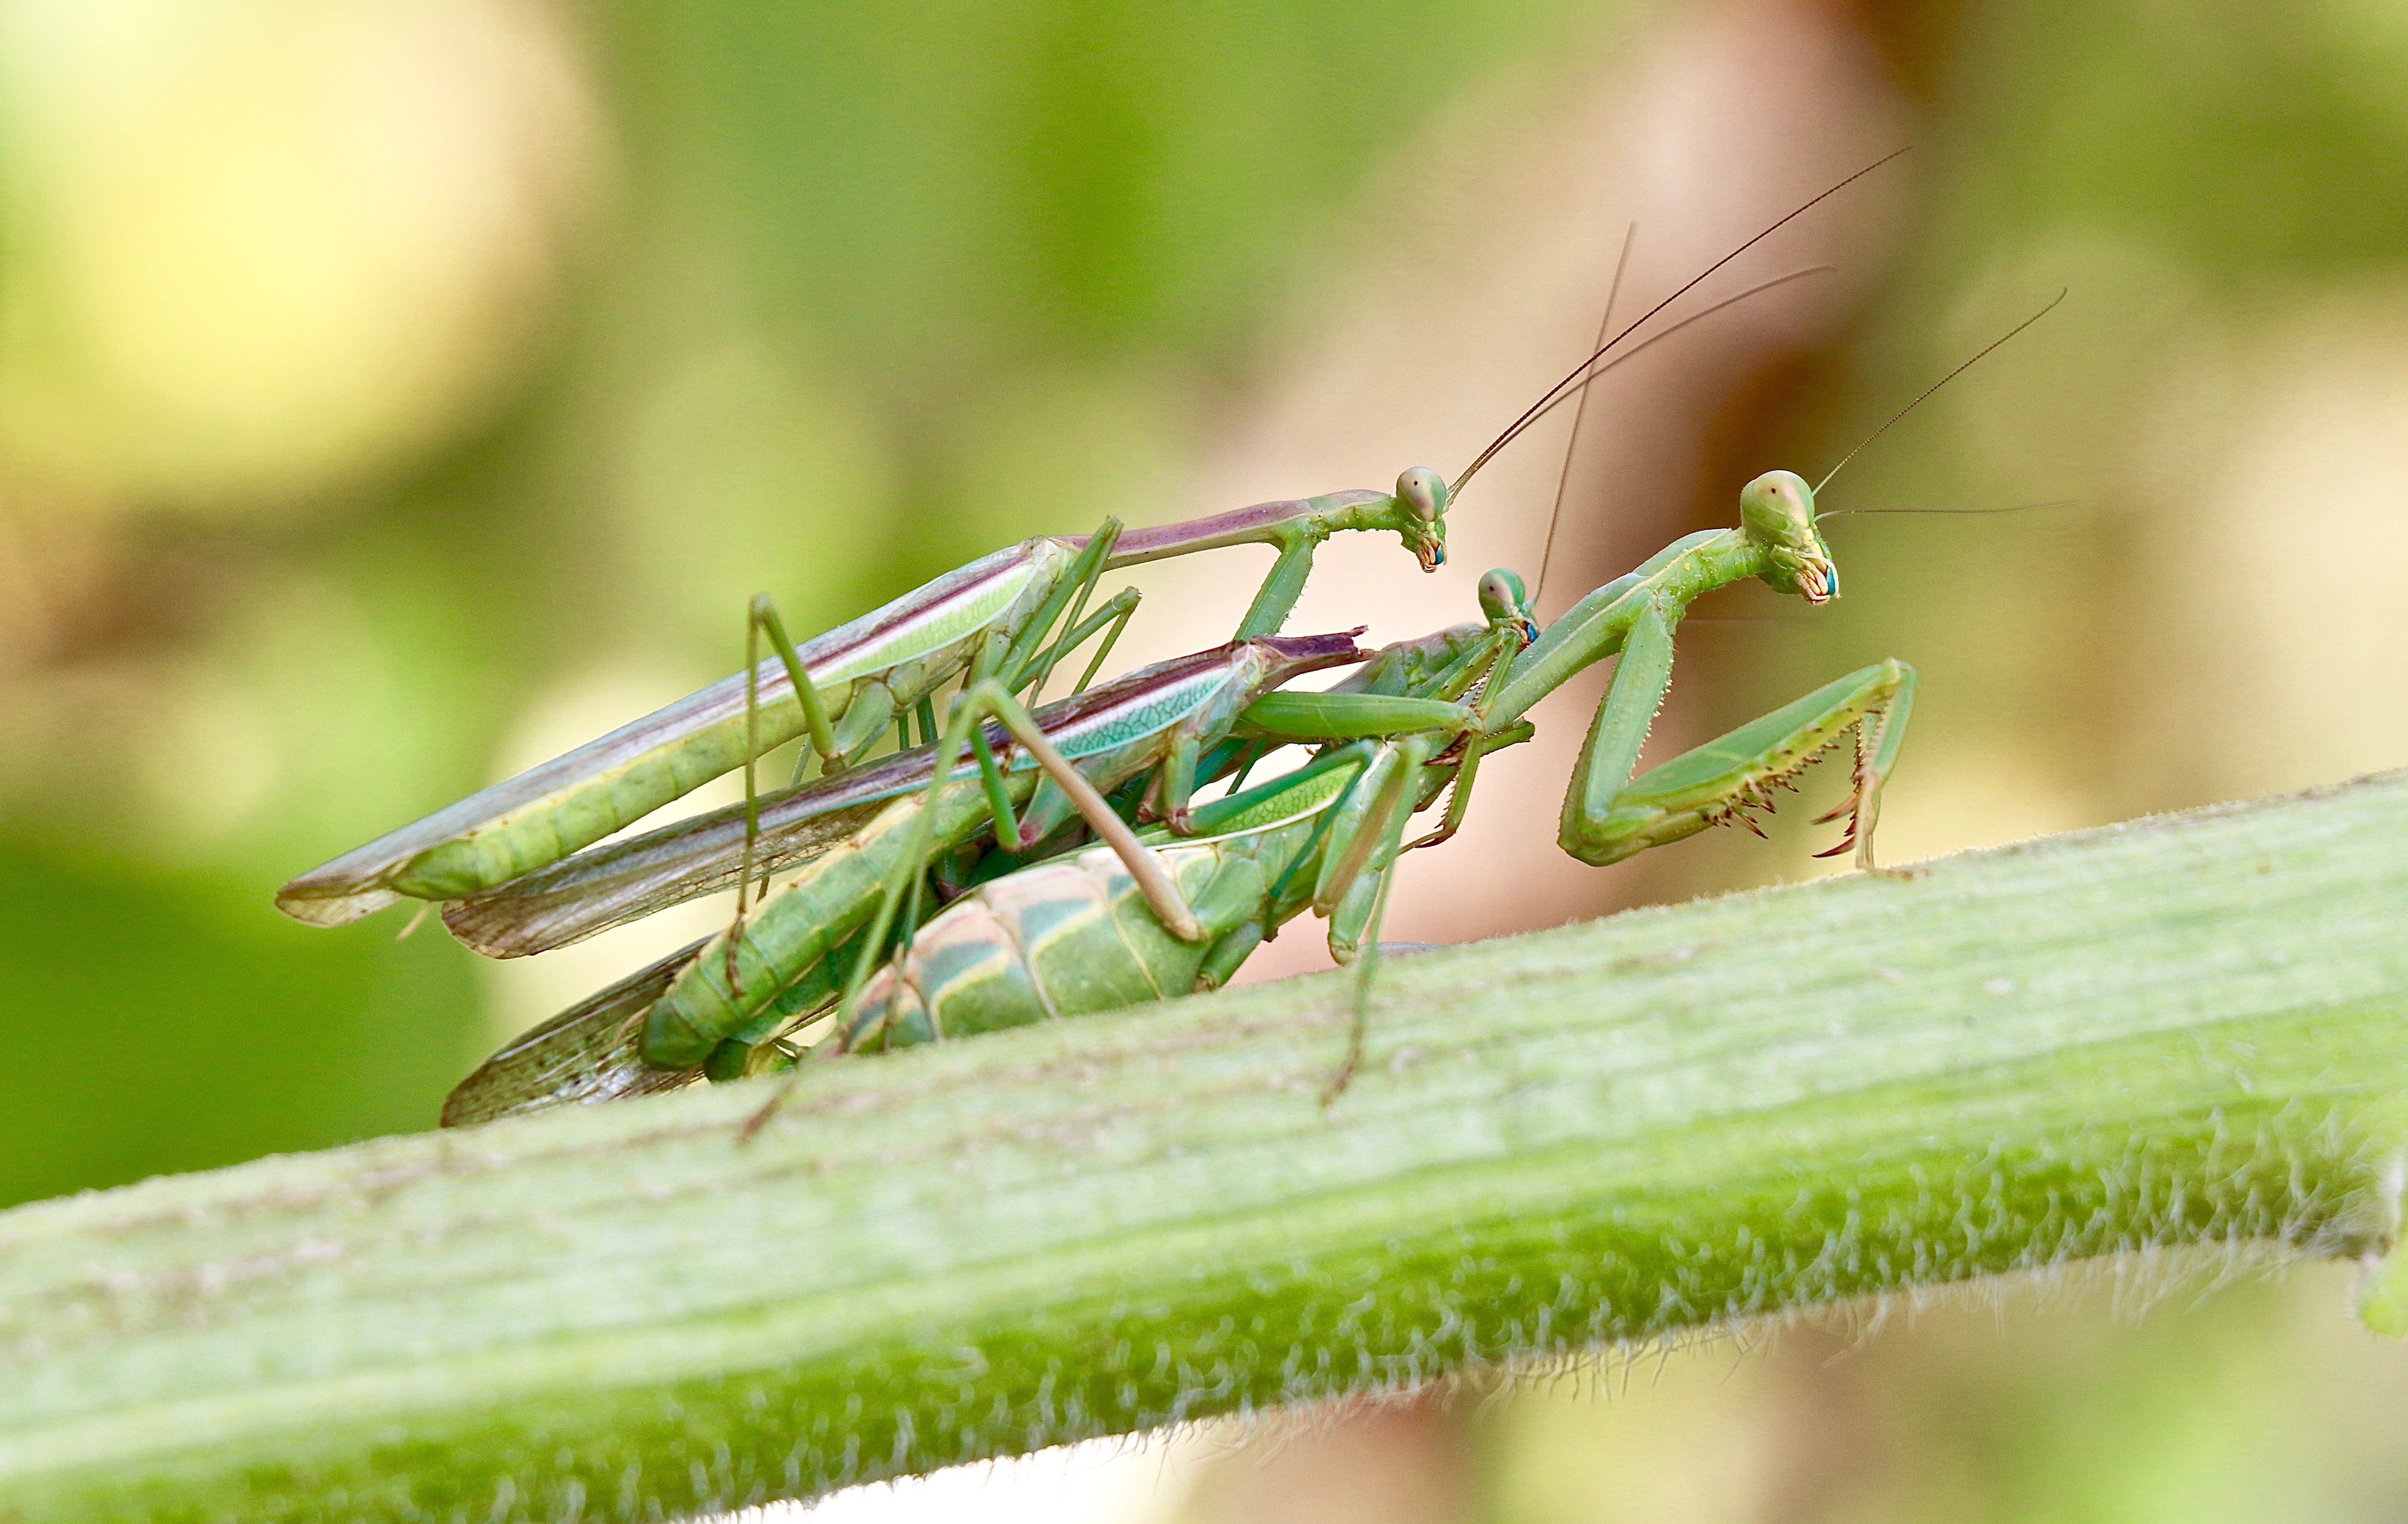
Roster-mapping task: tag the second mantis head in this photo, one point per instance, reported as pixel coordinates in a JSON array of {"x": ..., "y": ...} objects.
[{"x": 1776, "y": 512}]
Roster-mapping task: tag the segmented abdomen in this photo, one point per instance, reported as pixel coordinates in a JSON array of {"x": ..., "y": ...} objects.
[{"x": 1063, "y": 938}]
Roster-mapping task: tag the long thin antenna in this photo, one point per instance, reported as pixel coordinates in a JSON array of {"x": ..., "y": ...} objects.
[
  {"x": 1524, "y": 421},
  {"x": 2011, "y": 508},
  {"x": 1580, "y": 415},
  {"x": 1934, "y": 387},
  {"x": 1700, "y": 316}
]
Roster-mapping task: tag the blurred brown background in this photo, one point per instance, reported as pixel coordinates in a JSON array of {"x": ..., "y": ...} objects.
[{"x": 392, "y": 394}]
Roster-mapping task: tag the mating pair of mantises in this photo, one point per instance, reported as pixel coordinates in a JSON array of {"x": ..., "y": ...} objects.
[{"x": 997, "y": 812}]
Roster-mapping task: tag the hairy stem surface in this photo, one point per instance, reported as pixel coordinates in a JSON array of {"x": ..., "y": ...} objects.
[{"x": 2187, "y": 1031}]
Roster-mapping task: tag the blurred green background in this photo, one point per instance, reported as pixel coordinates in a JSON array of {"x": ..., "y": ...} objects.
[{"x": 394, "y": 393}]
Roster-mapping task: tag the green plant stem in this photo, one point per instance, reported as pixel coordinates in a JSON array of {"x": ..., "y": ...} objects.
[{"x": 2185, "y": 1032}]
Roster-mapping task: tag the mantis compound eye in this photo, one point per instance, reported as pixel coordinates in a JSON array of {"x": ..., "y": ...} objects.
[{"x": 1421, "y": 488}]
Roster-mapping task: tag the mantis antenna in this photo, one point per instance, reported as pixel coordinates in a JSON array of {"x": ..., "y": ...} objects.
[
  {"x": 2011, "y": 508},
  {"x": 1532, "y": 414},
  {"x": 1632, "y": 353},
  {"x": 1598, "y": 369},
  {"x": 1934, "y": 387},
  {"x": 1580, "y": 415}
]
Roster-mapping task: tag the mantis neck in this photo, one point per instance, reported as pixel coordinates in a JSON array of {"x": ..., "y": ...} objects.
[
  {"x": 1595, "y": 627},
  {"x": 1312, "y": 519}
]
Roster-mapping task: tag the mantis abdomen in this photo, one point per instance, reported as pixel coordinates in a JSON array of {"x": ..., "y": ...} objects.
[{"x": 1070, "y": 938}]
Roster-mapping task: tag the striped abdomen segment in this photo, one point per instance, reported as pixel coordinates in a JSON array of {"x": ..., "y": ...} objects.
[{"x": 1065, "y": 938}]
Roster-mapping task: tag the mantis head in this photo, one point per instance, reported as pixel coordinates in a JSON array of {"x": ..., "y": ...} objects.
[
  {"x": 1421, "y": 501},
  {"x": 1504, "y": 601},
  {"x": 1776, "y": 512}
]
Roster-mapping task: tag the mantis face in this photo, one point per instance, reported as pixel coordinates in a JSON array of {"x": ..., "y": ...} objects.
[
  {"x": 1503, "y": 601},
  {"x": 1420, "y": 499},
  {"x": 1776, "y": 511}
]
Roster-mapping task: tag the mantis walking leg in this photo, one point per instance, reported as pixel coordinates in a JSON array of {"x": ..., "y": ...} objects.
[
  {"x": 1361, "y": 844},
  {"x": 866, "y": 716}
]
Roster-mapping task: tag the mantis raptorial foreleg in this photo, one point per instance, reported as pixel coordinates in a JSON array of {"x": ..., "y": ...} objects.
[{"x": 1609, "y": 815}]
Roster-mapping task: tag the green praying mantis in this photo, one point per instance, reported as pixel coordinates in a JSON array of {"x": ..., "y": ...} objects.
[
  {"x": 1068, "y": 937},
  {"x": 510, "y": 859},
  {"x": 991, "y": 618},
  {"x": 1008, "y": 617},
  {"x": 1088, "y": 931}
]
